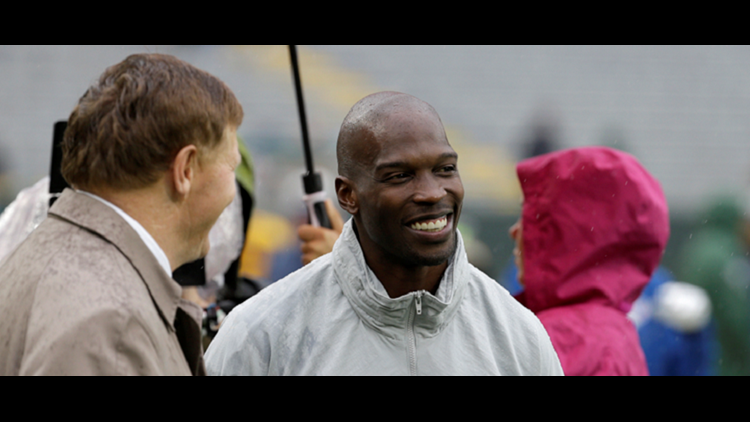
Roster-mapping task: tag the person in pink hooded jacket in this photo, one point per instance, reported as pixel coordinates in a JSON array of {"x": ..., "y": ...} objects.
[{"x": 593, "y": 228}]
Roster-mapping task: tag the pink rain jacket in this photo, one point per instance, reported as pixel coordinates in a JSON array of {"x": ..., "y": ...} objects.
[{"x": 595, "y": 224}]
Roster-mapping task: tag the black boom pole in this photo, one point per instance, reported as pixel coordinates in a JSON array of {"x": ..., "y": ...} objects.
[{"x": 314, "y": 195}]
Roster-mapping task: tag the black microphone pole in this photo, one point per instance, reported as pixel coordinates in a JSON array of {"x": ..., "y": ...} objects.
[
  {"x": 56, "y": 181},
  {"x": 314, "y": 195}
]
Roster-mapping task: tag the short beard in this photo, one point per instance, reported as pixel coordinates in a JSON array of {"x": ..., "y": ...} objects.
[
  {"x": 411, "y": 258},
  {"x": 414, "y": 259}
]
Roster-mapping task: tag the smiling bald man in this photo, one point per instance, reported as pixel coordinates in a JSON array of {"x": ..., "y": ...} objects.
[{"x": 397, "y": 296}]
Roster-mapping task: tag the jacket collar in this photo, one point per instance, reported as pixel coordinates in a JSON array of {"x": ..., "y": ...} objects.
[
  {"x": 149, "y": 240},
  {"x": 386, "y": 315},
  {"x": 93, "y": 215}
]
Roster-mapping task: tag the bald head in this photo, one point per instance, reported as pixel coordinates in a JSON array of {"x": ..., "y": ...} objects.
[
  {"x": 365, "y": 122},
  {"x": 397, "y": 173}
]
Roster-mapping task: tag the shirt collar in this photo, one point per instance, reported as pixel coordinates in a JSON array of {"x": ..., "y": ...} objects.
[{"x": 154, "y": 247}]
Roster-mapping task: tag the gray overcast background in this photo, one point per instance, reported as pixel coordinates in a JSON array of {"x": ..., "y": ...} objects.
[{"x": 682, "y": 110}]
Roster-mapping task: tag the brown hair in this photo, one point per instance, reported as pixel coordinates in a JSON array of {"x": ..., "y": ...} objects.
[{"x": 127, "y": 128}]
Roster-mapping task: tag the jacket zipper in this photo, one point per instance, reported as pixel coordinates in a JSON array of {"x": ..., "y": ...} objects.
[{"x": 411, "y": 335}]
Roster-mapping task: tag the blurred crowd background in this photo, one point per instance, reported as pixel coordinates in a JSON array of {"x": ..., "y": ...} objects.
[{"x": 681, "y": 110}]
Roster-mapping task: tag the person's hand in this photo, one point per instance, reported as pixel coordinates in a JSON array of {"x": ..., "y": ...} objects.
[{"x": 318, "y": 241}]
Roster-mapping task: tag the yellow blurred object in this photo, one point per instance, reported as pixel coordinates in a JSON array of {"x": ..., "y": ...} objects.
[
  {"x": 267, "y": 234},
  {"x": 490, "y": 179}
]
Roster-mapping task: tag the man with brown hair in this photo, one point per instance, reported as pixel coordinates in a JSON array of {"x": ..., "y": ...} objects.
[{"x": 150, "y": 151}]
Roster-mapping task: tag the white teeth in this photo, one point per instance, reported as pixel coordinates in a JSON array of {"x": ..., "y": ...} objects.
[{"x": 431, "y": 226}]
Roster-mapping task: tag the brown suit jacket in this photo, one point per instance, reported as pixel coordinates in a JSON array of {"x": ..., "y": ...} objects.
[{"x": 83, "y": 295}]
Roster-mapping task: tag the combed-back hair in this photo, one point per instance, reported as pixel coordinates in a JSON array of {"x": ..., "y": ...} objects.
[{"x": 128, "y": 126}]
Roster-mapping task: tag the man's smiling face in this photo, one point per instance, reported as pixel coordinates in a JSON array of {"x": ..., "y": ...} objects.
[{"x": 409, "y": 192}]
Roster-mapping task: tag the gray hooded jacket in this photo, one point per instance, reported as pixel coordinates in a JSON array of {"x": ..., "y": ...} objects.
[{"x": 333, "y": 317}]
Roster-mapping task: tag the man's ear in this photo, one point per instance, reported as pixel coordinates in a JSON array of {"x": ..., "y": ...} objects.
[
  {"x": 347, "y": 196},
  {"x": 183, "y": 170}
]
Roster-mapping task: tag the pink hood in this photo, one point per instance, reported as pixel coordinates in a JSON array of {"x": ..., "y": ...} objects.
[{"x": 595, "y": 225}]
